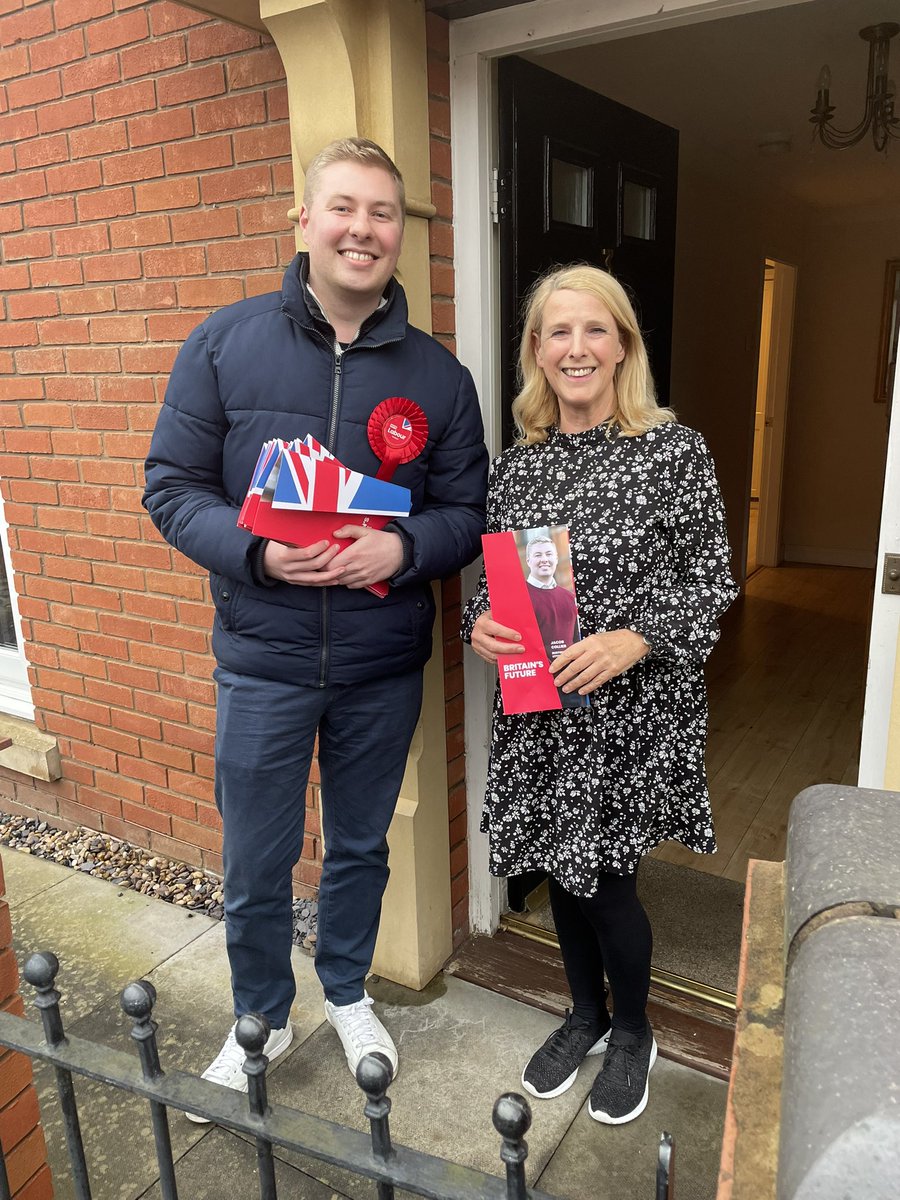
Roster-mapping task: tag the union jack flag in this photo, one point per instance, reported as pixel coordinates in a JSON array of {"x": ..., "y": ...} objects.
[
  {"x": 325, "y": 485},
  {"x": 298, "y": 488}
]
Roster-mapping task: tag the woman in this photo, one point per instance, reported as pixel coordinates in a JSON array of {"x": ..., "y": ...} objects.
[{"x": 583, "y": 793}]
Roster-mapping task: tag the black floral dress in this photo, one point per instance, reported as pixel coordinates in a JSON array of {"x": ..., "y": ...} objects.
[{"x": 577, "y": 792}]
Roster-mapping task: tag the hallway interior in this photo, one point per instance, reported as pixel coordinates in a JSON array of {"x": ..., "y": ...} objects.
[{"x": 786, "y": 686}]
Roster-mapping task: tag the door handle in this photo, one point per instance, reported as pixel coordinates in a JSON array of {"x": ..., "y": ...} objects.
[
  {"x": 607, "y": 255},
  {"x": 890, "y": 581}
]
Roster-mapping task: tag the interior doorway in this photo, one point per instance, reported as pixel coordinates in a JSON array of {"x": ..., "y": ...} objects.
[{"x": 764, "y": 543}]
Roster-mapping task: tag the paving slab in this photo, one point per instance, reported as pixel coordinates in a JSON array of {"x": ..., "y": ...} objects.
[
  {"x": 618, "y": 1162},
  {"x": 194, "y": 1013},
  {"x": 223, "y": 1167},
  {"x": 103, "y": 936},
  {"x": 194, "y": 1006},
  {"x": 460, "y": 1048},
  {"x": 27, "y": 876}
]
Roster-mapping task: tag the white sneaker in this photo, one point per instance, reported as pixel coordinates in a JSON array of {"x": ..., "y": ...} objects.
[
  {"x": 226, "y": 1067},
  {"x": 361, "y": 1033}
]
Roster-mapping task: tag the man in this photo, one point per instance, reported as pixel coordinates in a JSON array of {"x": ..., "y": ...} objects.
[
  {"x": 554, "y": 606},
  {"x": 302, "y": 647}
]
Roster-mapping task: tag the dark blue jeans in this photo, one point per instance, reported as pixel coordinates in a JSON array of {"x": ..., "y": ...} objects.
[{"x": 265, "y": 736}]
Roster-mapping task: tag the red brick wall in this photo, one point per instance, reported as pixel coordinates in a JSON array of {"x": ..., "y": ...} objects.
[
  {"x": 145, "y": 176},
  {"x": 146, "y": 181},
  {"x": 444, "y": 323},
  {"x": 20, "y": 1132}
]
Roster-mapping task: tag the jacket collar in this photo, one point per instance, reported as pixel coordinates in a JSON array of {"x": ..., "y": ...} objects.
[{"x": 386, "y": 324}]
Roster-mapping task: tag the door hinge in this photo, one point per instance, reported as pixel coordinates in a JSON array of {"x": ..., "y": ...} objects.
[{"x": 499, "y": 195}]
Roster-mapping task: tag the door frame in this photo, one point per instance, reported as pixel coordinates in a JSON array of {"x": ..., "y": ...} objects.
[
  {"x": 475, "y": 44},
  {"x": 784, "y": 292},
  {"x": 879, "y": 752}
]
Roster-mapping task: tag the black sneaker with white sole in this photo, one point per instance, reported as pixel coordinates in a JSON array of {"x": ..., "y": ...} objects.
[
  {"x": 552, "y": 1069},
  {"x": 621, "y": 1089}
]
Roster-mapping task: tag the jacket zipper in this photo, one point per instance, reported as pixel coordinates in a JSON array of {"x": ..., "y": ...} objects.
[{"x": 329, "y": 445}]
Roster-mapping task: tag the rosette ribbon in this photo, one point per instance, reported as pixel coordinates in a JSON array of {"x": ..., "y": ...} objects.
[{"x": 398, "y": 431}]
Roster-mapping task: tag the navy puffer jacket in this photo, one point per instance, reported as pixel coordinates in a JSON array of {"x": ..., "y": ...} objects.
[{"x": 265, "y": 368}]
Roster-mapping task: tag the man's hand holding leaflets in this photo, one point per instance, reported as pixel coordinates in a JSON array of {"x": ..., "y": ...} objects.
[{"x": 311, "y": 507}]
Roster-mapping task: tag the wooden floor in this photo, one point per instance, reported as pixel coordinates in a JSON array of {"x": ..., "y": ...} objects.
[{"x": 785, "y": 696}]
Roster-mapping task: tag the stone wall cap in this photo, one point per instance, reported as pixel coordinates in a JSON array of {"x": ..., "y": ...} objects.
[
  {"x": 840, "y": 1132},
  {"x": 843, "y": 847}
]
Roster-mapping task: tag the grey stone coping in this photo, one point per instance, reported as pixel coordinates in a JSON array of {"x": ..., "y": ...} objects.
[
  {"x": 840, "y": 1132},
  {"x": 843, "y": 847}
]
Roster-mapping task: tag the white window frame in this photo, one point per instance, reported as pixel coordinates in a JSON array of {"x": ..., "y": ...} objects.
[{"x": 15, "y": 690}]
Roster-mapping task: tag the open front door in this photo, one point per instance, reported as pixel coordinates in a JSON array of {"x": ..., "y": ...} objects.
[{"x": 583, "y": 178}]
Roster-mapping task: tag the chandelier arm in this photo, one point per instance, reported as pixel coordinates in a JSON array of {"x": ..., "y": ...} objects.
[
  {"x": 841, "y": 139},
  {"x": 838, "y": 139},
  {"x": 881, "y": 134},
  {"x": 878, "y": 112}
]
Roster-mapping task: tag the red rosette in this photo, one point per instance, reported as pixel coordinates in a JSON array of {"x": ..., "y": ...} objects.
[{"x": 398, "y": 431}]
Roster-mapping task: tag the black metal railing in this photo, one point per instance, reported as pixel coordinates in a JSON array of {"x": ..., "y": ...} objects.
[{"x": 373, "y": 1156}]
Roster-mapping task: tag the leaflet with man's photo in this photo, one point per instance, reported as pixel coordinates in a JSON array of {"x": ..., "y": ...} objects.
[{"x": 532, "y": 590}]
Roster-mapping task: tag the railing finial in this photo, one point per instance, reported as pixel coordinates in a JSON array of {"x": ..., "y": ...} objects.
[
  {"x": 512, "y": 1120},
  {"x": 41, "y": 969},
  {"x": 374, "y": 1074},
  {"x": 137, "y": 999},
  {"x": 251, "y": 1033}
]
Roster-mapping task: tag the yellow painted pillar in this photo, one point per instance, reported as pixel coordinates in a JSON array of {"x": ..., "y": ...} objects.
[{"x": 356, "y": 68}]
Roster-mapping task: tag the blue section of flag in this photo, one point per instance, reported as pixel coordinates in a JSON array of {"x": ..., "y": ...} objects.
[
  {"x": 286, "y": 490},
  {"x": 265, "y": 468},
  {"x": 378, "y": 496}
]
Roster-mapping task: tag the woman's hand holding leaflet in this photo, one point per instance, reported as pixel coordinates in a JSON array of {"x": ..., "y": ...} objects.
[
  {"x": 490, "y": 639},
  {"x": 588, "y": 664}
]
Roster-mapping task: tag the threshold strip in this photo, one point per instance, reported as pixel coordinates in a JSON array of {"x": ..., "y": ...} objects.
[{"x": 674, "y": 983}]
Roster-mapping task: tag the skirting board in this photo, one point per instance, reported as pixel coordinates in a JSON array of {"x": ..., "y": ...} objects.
[{"x": 829, "y": 557}]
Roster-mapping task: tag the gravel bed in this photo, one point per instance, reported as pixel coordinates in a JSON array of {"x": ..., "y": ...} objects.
[{"x": 132, "y": 867}]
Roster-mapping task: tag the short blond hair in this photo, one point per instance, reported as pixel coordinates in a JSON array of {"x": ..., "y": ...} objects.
[
  {"x": 358, "y": 150},
  {"x": 536, "y": 408}
]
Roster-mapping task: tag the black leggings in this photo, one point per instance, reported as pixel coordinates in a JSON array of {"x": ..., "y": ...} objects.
[{"x": 607, "y": 930}]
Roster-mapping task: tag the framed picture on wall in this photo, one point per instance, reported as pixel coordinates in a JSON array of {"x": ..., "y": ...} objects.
[{"x": 890, "y": 327}]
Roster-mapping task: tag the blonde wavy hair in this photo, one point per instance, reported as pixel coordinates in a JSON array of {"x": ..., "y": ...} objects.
[
  {"x": 536, "y": 408},
  {"x": 357, "y": 150}
]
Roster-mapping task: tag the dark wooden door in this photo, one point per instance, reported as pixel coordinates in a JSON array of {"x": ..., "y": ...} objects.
[{"x": 583, "y": 178}]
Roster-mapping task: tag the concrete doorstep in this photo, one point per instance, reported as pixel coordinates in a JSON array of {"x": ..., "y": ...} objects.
[{"x": 460, "y": 1047}]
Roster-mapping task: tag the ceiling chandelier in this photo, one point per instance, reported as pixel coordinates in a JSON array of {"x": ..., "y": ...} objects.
[{"x": 880, "y": 90}]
